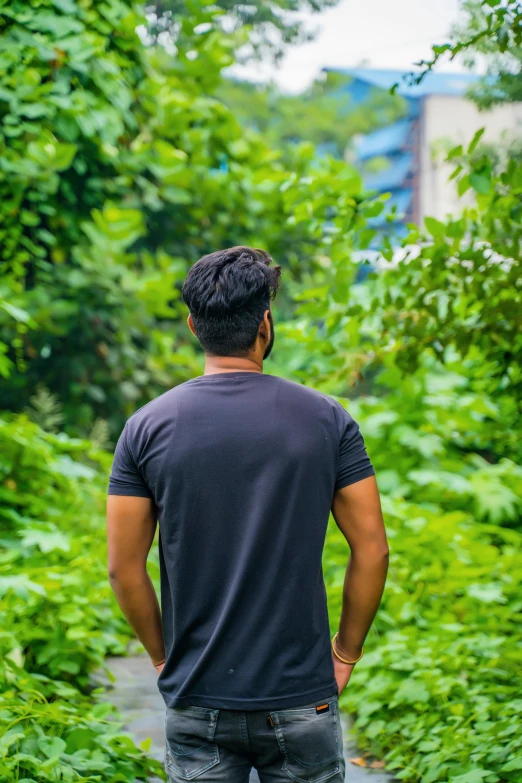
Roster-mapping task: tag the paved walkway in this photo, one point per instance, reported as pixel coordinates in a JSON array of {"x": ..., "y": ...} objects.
[{"x": 136, "y": 695}]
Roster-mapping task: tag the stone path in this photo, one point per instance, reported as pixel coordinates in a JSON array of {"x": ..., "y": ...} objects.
[{"x": 136, "y": 695}]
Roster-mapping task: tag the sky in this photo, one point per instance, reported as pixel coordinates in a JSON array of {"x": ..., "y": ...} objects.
[{"x": 374, "y": 33}]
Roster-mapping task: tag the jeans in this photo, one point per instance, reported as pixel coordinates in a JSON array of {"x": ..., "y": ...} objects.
[{"x": 302, "y": 744}]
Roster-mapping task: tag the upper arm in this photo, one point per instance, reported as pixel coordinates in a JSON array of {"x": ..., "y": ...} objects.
[
  {"x": 357, "y": 511},
  {"x": 126, "y": 477},
  {"x": 131, "y": 511},
  {"x": 131, "y": 525},
  {"x": 353, "y": 463},
  {"x": 356, "y": 504}
]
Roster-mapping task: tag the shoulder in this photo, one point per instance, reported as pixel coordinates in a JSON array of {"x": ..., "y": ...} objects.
[
  {"x": 155, "y": 410},
  {"x": 300, "y": 390},
  {"x": 320, "y": 400}
]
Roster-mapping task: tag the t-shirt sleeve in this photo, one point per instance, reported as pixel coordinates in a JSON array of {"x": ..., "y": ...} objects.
[
  {"x": 354, "y": 463},
  {"x": 126, "y": 478}
]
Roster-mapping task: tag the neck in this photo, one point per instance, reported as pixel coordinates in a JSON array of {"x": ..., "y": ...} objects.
[{"x": 214, "y": 364}]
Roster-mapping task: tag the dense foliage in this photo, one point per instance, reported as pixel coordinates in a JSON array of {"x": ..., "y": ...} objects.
[
  {"x": 57, "y": 615},
  {"x": 118, "y": 168},
  {"x": 438, "y": 692},
  {"x": 431, "y": 347},
  {"x": 323, "y": 114},
  {"x": 120, "y": 164},
  {"x": 490, "y": 30},
  {"x": 272, "y": 23}
]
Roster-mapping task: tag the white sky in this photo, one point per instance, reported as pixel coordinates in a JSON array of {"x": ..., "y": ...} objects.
[{"x": 376, "y": 33}]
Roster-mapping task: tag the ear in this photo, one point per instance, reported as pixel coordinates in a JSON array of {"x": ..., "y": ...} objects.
[
  {"x": 264, "y": 326},
  {"x": 191, "y": 325}
]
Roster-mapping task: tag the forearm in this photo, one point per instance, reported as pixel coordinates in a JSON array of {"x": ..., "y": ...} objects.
[
  {"x": 137, "y": 599},
  {"x": 362, "y": 592}
]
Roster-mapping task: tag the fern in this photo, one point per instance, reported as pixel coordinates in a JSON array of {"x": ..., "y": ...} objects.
[
  {"x": 45, "y": 409},
  {"x": 99, "y": 434}
]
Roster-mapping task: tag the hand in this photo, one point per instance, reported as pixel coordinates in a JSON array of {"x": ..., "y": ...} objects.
[
  {"x": 342, "y": 673},
  {"x": 159, "y": 667}
]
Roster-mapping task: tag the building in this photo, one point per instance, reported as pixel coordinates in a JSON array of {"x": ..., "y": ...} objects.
[{"x": 411, "y": 152}]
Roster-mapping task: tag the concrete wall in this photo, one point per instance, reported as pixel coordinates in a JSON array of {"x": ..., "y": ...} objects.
[{"x": 444, "y": 123}]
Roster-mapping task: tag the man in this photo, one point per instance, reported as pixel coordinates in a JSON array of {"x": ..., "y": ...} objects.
[{"x": 241, "y": 470}]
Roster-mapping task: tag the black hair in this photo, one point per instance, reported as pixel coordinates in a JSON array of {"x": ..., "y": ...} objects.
[{"x": 227, "y": 293}]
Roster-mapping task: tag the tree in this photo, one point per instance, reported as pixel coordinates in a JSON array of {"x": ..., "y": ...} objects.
[
  {"x": 321, "y": 115},
  {"x": 490, "y": 30},
  {"x": 265, "y": 27},
  {"x": 105, "y": 204},
  {"x": 119, "y": 168}
]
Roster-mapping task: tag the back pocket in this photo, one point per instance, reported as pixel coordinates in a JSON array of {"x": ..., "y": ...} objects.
[
  {"x": 189, "y": 734},
  {"x": 310, "y": 741}
]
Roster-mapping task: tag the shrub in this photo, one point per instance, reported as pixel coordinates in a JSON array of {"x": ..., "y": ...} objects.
[{"x": 57, "y": 613}]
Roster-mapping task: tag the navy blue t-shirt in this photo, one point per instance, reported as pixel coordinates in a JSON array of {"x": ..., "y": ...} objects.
[{"x": 242, "y": 467}]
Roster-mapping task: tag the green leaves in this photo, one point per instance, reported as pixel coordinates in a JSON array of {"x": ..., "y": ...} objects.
[
  {"x": 475, "y": 140},
  {"x": 120, "y": 165},
  {"x": 115, "y": 228},
  {"x": 410, "y": 691},
  {"x": 128, "y": 170},
  {"x": 57, "y": 615},
  {"x": 16, "y": 312},
  {"x": 474, "y": 776},
  {"x": 51, "y": 155},
  {"x": 20, "y": 585},
  {"x": 52, "y": 747},
  {"x": 46, "y": 540},
  {"x": 488, "y": 593},
  {"x": 435, "y": 227},
  {"x": 437, "y": 692},
  {"x": 480, "y": 181}
]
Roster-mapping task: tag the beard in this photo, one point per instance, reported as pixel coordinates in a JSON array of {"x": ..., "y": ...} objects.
[{"x": 268, "y": 349}]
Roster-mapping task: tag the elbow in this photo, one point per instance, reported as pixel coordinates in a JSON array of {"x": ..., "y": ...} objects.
[
  {"x": 126, "y": 575},
  {"x": 120, "y": 580},
  {"x": 383, "y": 552},
  {"x": 117, "y": 573},
  {"x": 372, "y": 552},
  {"x": 379, "y": 554}
]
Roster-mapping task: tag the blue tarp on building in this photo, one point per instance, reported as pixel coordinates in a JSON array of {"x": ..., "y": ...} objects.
[
  {"x": 431, "y": 84},
  {"x": 396, "y": 141},
  {"x": 384, "y": 141},
  {"x": 393, "y": 176}
]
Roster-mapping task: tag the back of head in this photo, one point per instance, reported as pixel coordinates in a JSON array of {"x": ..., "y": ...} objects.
[{"x": 227, "y": 293}]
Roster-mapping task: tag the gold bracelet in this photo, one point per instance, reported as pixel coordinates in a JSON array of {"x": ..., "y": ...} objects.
[
  {"x": 343, "y": 660},
  {"x": 159, "y": 663}
]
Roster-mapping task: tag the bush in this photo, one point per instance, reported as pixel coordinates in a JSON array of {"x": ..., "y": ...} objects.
[
  {"x": 57, "y": 613},
  {"x": 438, "y": 690},
  {"x": 118, "y": 169},
  {"x": 437, "y": 693}
]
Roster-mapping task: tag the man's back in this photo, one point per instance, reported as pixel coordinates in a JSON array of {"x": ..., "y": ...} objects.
[{"x": 242, "y": 467}]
